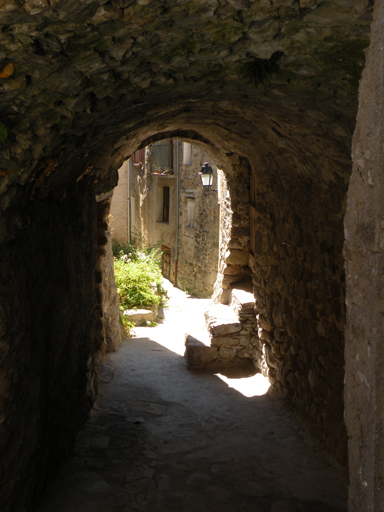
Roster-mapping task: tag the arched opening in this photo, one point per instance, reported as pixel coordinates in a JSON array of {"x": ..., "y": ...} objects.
[
  {"x": 287, "y": 236},
  {"x": 295, "y": 261},
  {"x": 271, "y": 90},
  {"x": 161, "y": 201}
]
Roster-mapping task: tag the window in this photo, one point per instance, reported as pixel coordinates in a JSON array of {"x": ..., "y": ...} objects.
[
  {"x": 138, "y": 157},
  {"x": 190, "y": 212},
  {"x": 166, "y": 204},
  {"x": 162, "y": 155},
  {"x": 187, "y": 153}
]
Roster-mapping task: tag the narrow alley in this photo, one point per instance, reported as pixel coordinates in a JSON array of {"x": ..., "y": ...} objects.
[{"x": 163, "y": 439}]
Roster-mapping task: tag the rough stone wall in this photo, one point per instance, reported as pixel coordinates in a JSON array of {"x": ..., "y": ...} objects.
[
  {"x": 364, "y": 255},
  {"x": 198, "y": 245},
  {"x": 219, "y": 294},
  {"x": 234, "y": 232},
  {"x": 107, "y": 328},
  {"x": 47, "y": 374},
  {"x": 299, "y": 287},
  {"x": 272, "y": 82}
]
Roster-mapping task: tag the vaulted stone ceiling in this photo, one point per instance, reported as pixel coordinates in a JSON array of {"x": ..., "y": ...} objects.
[{"x": 93, "y": 79}]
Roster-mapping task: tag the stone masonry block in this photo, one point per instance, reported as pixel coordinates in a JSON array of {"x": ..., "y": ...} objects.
[
  {"x": 232, "y": 270},
  {"x": 198, "y": 355},
  {"x": 221, "y": 319},
  {"x": 237, "y": 257},
  {"x": 225, "y": 341},
  {"x": 227, "y": 353},
  {"x": 245, "y": 299}
]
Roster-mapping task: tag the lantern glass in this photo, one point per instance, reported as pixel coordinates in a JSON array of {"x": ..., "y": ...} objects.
[
  {"x": 207, "y": 179},
  {"x": 206, "y": 174}
]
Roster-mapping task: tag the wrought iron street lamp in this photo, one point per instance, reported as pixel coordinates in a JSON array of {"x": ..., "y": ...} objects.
[{"x": 206, "y": 175}]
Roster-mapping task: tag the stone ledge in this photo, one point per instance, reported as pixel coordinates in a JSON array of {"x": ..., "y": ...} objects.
[
  {"x": 243, "y": 304},
  {"x": 238, "y": 340},
  {"x": 222, "y": 319},
  {"x": 140, "y": 315},
  {"x": 198, "y": 355},
  {"x": 215, "y": 359}
]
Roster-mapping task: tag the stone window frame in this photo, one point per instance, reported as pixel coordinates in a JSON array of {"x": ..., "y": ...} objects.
[{"x": 191, "y": 212}]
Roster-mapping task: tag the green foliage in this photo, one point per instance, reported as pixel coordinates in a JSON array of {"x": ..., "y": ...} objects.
[
  {"x": 121, "y": 250},
  {"x": 137, "y": 274},
  {"x": 3, "y": 133},
  {"x": 147, "y": 323},
  {"x": 127, "y": 325}
]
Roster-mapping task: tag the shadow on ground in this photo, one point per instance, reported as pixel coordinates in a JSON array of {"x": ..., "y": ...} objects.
[{"x": 163, "y": 439}]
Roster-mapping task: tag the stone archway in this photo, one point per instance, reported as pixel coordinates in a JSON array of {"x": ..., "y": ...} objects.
[{"x": 269, "y": 83}]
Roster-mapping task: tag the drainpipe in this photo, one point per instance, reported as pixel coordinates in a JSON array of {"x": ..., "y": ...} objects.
[
  {"x": 128, "y": 201},
  {"x": 177, "y": 210}
]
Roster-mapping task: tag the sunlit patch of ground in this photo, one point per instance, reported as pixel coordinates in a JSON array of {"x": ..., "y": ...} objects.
[
  {"x": 185, "y": 315},
  {"x": 250, "y": 386}
]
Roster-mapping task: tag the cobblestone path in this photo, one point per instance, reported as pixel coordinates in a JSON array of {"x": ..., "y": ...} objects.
[{"x": 162, "y": 439}]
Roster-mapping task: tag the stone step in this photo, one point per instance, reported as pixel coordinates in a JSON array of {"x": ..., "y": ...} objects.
[
  {"x": 214, "y": 359},
  {"x": 232, "y": 343},
  {"x": 221, "y": 320},
  {"x": 140, "y": 316},
  {"x": 197, "y": 355},
  {"x": 242, "y": 303}
]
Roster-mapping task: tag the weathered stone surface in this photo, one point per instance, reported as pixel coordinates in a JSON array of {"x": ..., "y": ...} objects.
[
  {"x": 237, "y": 257},
  {"x": 242, "y": 299},
  {"x": 140, "y": 315},
  {"x": 232, "y": 270},
  {"x": 108, "y": 332},
  {"x": 364, "y": 253},
  {"x": 222, "y": 320},
  {"x": 197, "y": 355},
  {"x": 58, "y": 341},
  {"x": 225, "y": 341}
]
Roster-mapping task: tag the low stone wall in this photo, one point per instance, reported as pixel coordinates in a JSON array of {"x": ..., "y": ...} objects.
[
  {"x": 233, "y": 270},
  {"x": 233, "y": 341}
]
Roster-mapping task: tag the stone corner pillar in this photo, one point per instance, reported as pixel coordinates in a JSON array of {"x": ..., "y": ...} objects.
[
  {"x": 108, "y": 332},
  {"x": 364, "y": 259}
]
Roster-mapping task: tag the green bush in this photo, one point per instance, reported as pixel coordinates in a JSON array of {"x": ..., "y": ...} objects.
[
  {"x": 138, "y": 275},
  {"x": 127, "y": 325}
]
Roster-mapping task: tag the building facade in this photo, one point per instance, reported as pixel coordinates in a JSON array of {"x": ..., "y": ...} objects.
[{"x": 160, "y": 199}]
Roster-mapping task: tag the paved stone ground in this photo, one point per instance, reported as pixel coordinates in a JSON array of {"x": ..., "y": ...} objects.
[{"x": 162, "y": 439}]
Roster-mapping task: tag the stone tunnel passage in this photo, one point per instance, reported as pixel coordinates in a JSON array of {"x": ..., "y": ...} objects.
[
  {"x": 271, "y": 89},
  {"x": 164, "y": 439}
]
